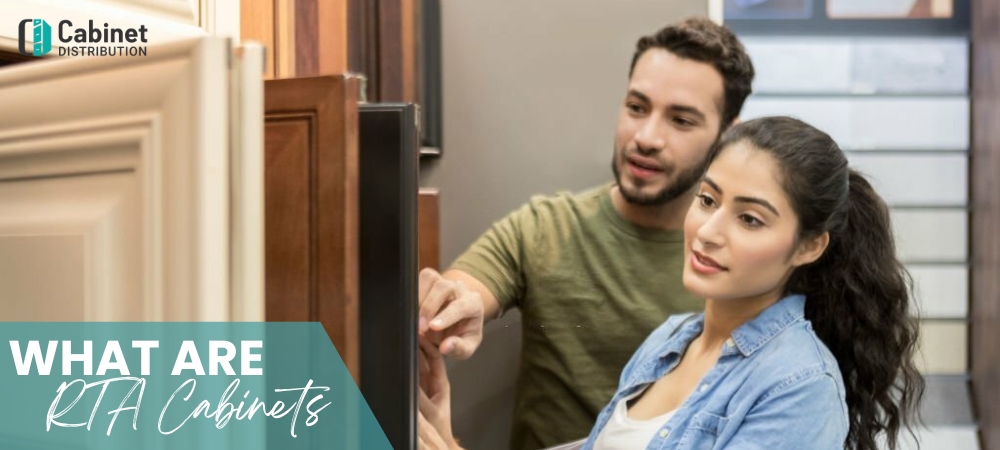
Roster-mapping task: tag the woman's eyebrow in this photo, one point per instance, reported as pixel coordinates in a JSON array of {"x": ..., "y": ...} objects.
[
  {"x": 758, "y": 201},
  {"x": 742, "y": 199}
]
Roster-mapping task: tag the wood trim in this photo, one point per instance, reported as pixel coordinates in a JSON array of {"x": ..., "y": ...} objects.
[
  {"x": 311, "y": 207},
  {"x": 985, "y": 309},
  {"x": 390, "y": 50},
  {"x": 397, "y": 51},
  {"x": 333, "y": 36},
  {"x": 257, "y": 24},
  {"x": 408, "y": 41},
  {"x": 356, "y": 37},
  {"x": 362, "y": 41},
  {"x": 284, "y": 38},
  {"x": 429, "y": 229},
  {"x": 307, "y": 42}
]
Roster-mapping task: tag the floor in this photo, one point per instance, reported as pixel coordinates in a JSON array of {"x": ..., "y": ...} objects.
[{"x": 947, "y": 414}]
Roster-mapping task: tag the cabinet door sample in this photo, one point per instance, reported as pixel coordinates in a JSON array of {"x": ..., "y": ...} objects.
[
  {"x": 311, "y": 206},
  {"x": 115, "y": 206}
]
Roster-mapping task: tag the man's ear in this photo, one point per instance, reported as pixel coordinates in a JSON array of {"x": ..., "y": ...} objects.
[{"x": 810, "y": 250}]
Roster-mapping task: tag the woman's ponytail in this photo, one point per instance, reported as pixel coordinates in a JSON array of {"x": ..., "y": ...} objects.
[{"x": 859, "y": 304}]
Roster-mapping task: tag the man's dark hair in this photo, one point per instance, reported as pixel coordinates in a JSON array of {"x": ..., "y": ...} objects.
[{"x": 702, "y": 40}]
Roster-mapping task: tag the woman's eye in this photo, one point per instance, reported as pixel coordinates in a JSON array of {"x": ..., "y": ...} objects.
[
  {"x": 705, "y": 200},
  {"x": 634, "y": 107},
  {"x": 751, "y": 221}
]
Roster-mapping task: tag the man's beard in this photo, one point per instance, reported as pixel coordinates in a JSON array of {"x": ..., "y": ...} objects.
[{"x": 681, "y": 184}]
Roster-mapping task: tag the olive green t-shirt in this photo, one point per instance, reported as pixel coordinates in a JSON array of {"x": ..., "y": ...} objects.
[{"x": 590, "y": 286}]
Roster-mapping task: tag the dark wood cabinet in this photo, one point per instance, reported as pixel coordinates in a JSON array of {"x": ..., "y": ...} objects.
[{"x": 389, "y": 152}]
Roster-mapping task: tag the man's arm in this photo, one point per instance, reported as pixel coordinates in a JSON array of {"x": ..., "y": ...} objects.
[
  {"x": 483, "y": 281},
  {"x": 491, "y": 306}
]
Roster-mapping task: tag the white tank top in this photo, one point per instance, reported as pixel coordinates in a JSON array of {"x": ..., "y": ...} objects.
[{"x": 624, "y": 433}]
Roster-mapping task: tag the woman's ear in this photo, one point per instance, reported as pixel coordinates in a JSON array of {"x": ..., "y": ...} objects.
[{"x": 811, "y": 249}]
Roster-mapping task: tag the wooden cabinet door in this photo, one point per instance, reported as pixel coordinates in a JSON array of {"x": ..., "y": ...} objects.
[
  {"x": 311, "y": 206},
  {"x": 115, "y": 186}
]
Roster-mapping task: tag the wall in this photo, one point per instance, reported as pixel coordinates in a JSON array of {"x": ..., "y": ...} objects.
[{"x": 531, "y": 92}]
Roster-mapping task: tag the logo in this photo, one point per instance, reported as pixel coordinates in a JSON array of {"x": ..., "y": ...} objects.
[
  {"x": 41, "y": 36},
  {"x": 90, "y": 41}
]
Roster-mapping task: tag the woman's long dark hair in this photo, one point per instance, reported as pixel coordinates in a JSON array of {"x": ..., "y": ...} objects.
[{"x": 857, "y": 293}]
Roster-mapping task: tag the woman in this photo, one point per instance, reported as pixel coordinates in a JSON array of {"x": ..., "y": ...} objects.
[{"x": 806, "y": 341}]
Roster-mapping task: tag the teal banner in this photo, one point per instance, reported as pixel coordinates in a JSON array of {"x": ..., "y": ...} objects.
[{"x": 118, "y": 386}]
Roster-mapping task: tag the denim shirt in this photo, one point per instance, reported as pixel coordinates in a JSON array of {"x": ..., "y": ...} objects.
[{"x": 775, "y": 386}]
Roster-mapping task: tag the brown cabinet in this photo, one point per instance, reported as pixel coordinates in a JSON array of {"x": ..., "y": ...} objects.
[{"x": 311, "y": 207}]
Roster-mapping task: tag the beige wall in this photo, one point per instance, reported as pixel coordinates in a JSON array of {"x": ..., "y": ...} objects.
[{"x": 531, "y": 91}]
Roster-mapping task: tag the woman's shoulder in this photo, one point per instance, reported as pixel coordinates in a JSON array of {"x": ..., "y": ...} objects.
[{"x": 796, "y": 355}]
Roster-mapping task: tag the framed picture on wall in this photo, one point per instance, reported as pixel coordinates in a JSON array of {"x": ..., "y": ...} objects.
[
  {"x": 848, "y": 17},
  {"x": 396, "y": 45},
  {"x": 767, "y": 9},
  {"x": 428, "y": 74},
  {"x": 890, "y": 9}
]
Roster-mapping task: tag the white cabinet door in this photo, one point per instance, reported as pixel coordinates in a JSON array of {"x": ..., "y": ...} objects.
[
  {"x": 165, "y": 20},
  {"x": 129, "y": 187}
]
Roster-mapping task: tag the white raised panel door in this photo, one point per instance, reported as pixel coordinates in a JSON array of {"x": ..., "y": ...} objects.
[
  {"x": 119, "y": 196},
  {"x": 166, "y": 20}
]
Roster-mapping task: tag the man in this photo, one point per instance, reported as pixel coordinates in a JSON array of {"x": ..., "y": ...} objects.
[{"x": 595, "y": 273}]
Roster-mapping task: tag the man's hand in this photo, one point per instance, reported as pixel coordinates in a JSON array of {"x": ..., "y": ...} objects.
[{"x": 451, "y": 314}]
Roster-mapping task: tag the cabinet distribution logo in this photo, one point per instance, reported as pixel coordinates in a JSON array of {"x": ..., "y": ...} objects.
[{"x": 97, "y": 41}]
